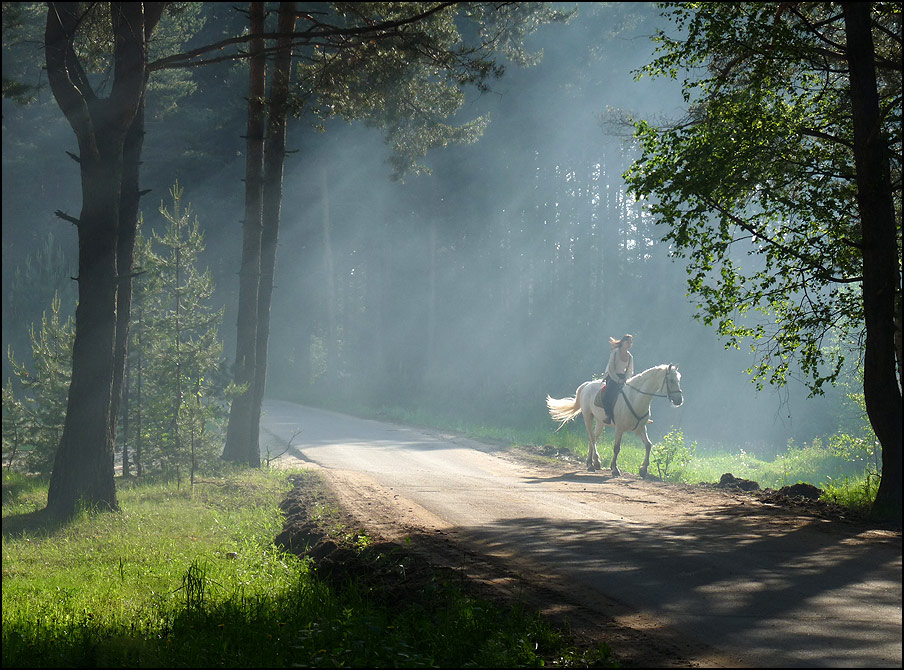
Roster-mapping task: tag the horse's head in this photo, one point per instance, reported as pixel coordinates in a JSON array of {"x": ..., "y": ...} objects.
[{"x": 673, "y": 385}]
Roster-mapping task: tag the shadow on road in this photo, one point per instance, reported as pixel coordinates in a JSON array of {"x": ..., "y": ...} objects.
[{"x": 732, "y": 575}]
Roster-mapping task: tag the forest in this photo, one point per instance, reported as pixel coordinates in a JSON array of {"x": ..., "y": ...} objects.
[{"x": 467, "y": 282}]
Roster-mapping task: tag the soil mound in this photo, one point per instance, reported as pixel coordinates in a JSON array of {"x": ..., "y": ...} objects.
[
  {"x": 801, "y": 490},
  {"x": 729, "y": 481}
]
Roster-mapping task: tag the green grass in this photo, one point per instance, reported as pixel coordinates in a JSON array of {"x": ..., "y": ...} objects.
[
  {"x": 190, "y": 578},
  {"x": 847, "y": 481}
]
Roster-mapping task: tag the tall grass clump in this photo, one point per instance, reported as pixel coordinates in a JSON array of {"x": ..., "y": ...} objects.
[{"x": 856, "y": 489}]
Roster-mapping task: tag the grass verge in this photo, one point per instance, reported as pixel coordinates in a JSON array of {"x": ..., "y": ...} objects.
[{"x": 191, "y": 578}]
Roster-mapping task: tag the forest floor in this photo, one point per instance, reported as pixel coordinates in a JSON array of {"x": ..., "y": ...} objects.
[{"x": 328, "y": 520}]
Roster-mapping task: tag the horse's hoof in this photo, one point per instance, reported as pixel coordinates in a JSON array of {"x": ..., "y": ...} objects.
[
  {"x": 616, "y": 472},
  {"x": 643, "y": 473}
]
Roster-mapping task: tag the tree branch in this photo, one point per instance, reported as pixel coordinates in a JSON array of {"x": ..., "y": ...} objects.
[
  {"x": 66, "y": 217},
  {"x": 820, "y": 271},
  {"x": 64, "y": 73},
  {"x": 825, "y": 136},
  {"x": 304, "y": 38}
]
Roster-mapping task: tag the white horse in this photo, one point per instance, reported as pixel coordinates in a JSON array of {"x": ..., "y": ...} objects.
[{"x": 632, "y": 410}]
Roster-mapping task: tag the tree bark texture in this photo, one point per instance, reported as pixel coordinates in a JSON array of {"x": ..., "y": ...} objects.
[
  {"x": 239, "y": 429},
  {"x": 881, "y": 273},
  {"x": 83, "y": 467},
  {"x": 274, "y": 160},
  {"x": 125, "y": 254}
]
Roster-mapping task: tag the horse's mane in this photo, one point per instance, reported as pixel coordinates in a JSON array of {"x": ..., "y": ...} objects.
[{"x": 656, "y": 368}]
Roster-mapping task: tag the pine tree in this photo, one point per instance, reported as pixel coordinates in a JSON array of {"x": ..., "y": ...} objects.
[
  {"x": 182, "y": 404},
  {"x": 175, "y": 407},
  {"x": 40, "y": 415},
  {"x": 132, "y": 434},
  {"x": 15, "y": 422}
]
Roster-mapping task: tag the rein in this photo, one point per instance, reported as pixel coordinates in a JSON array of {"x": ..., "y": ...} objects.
[
  {"x": 665, "y": 382},
  {"x": 630, "y": 407}
]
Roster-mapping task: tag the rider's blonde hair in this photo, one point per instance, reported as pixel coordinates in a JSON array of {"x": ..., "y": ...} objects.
[{"x": 613, "y": 343}]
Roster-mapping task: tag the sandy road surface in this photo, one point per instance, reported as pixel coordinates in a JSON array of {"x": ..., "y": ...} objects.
[{"x": 708, "y": 577}]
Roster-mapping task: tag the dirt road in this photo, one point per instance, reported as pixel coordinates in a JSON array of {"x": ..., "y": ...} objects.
[{"x": 667, "y": 574}]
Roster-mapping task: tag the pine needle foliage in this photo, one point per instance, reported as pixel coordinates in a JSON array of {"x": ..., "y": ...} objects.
[
  {"x": 34, "y": 422},
  {"x": 177, "y": 349}
]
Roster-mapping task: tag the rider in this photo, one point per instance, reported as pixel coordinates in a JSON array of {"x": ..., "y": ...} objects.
[{"x": 619, "y": 369}]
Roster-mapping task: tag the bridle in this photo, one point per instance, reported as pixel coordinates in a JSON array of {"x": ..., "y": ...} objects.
[
  {"x": 668, "y": 394},
  {"x": 666, "y": 383}
]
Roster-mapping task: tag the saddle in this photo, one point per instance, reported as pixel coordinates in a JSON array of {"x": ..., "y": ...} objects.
[{"x": 598, "y": 400}]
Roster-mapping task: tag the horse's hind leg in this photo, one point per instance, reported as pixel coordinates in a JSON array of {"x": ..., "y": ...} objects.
[
  {"x": 593, "y": 457},
  {"x": 597, "y": 431}
]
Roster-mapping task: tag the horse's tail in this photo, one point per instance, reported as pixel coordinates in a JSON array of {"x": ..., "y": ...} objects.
[{"x": 565, "y": 409}]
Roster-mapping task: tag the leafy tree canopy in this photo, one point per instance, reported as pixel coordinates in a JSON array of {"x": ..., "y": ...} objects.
[{"x": 757, "y": 185}]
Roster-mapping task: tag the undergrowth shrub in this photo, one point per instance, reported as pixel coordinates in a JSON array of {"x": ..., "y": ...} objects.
[{"x": 671, "y": 456}]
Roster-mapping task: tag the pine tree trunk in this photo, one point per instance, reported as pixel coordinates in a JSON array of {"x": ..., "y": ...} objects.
[
  {"x": 125, "y": 254},
  {"x": 83, "y": 467},
  {"x": 274, "y": 160},
  {"x": 239, "y": 429},
  {"x": 125, "y": 409},
  {"x": 431, "y": 297},
  {"x": 332, "y": 357},
  {"x": 139, "y": 437},
  {"x": 881, "y": 274}
]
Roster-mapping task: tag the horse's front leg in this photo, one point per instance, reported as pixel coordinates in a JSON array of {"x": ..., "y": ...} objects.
[
  {"x": 593, "y": 433},
  {"x": 616, "y": 447},
  {"x": 646, "y": 461}
]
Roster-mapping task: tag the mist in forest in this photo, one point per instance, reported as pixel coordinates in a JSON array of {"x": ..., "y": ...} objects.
[{"x": 472, "y": 292}]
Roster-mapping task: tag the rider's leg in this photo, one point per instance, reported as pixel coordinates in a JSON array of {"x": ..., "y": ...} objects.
[{"x": 608, "y": 403}]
